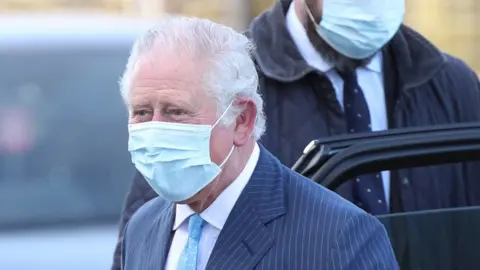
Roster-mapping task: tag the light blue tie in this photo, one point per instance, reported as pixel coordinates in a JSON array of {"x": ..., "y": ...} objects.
[{"x": 189, "y": 258}]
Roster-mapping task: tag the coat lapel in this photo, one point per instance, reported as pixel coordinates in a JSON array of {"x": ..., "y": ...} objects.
[
  {"x": 166, "y": 234},
  {"x": 246, "y": 238},
  {"x": 154, "y": 242}
]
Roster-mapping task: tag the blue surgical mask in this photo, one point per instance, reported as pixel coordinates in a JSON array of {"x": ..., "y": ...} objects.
[
  {"x": 174, "y": 158},
  {"x": 359, "y": 28}
]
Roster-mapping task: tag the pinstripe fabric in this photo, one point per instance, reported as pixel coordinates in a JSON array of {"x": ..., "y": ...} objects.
[
  {"x": 281, "y": 221},
  {"x": 147, "y": 236}
]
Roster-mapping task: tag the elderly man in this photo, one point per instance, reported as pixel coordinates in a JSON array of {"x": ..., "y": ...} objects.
[{"x": 224, "y": 201}]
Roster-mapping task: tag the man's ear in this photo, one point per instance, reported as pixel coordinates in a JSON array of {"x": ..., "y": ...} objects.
[{"x": 245, "y": 122}]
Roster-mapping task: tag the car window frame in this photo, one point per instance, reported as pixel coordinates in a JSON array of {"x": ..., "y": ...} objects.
[{"x": 332, "y": 162}]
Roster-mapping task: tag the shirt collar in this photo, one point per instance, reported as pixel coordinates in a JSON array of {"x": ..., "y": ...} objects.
[
  {"x": 312, "y": 57},
  {"x": 217, "y": 213}
]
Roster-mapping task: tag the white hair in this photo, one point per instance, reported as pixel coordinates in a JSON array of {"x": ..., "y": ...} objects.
[{"x": 231, "y": 71}]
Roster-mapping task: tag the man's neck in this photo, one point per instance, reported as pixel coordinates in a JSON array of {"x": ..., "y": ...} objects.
[{"x": 230, "y": 173}]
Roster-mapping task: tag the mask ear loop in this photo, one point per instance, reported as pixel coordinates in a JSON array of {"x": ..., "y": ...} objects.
[
  {"x": 309, "y": 13},
  {"x": 227, "y": 157},
  {"x": 231, "y": 149},
  {"x": 317, "y": 26},
  {"x": 233, "y": 146},
  {"x": 215, "y": 186},
  {"x": 221, "y": 116}
]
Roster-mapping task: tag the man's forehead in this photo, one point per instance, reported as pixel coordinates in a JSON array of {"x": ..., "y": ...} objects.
[
  {"x": 164, "y": 65},
  {"x": 175, "y": 79}
]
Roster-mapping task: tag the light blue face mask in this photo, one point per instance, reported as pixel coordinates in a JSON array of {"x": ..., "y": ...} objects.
[
  {"x": 359, "y": 28},
  {"x": 174, "y": 158}
]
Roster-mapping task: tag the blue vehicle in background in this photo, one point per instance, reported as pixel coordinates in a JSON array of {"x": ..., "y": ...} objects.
[{"x": 64, "y": 165}]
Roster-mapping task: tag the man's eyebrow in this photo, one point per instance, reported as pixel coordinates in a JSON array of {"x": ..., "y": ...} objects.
[
  {"x": 188, "y": 108},
  {"x": 187, "y": 104},
  {"x": 139, "y": 103},
  {"x": 167, "y": 101}
]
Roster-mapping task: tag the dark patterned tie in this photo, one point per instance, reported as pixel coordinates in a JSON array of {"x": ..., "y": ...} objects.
[{"x": 367, "y": 190}]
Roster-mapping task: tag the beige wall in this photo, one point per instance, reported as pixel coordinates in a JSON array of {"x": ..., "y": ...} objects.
[
  {"x": 232, "y": 12},
  {"x": 36, "y": 5},
  {"x": 450, "y": 24},
  {"x": 235, "y": 13}
]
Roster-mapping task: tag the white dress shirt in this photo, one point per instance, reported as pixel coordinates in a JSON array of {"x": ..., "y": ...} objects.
[
  {"x": 370, "y": 79},
  {"x": 215, "y": 217}
]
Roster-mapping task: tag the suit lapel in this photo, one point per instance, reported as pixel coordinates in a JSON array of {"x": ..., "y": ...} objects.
[
  {"x": 157, "y": 241},
  {"x": 245, "y": 238}
]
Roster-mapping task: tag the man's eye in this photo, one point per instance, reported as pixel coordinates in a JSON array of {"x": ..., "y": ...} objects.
[
  {"x": 141, "y": 112},
  {"x": 176, "y": 112}
]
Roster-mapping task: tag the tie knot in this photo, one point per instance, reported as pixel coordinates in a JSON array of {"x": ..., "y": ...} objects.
[
  {"x": 349, "y": 78},
  {"x": 195, "y": 226}
]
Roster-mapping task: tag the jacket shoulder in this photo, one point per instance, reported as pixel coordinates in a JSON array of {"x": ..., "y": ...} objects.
[
  {"x": 460, "y": 70},
  {"x": 327, "y": 203},
  {"x": 463, "y": 87},
  {"x": 144, "y": 219},
  {"x": 346, "y": 234},
  {"x": 147, "y": 213}
]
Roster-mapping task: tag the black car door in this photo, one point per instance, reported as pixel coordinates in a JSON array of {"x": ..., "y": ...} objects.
[{"x": 434, "y": 239}]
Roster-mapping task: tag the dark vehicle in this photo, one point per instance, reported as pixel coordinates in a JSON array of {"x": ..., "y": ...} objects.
[
  {"x": 443, "y": 239},
  {"x": 64, "y": 164}
]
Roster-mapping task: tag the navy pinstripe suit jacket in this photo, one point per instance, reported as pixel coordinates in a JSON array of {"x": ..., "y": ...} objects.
[{"x": 281, "y": 221}]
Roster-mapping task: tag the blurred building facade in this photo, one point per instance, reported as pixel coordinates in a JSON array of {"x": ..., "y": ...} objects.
[{"x": 452, "y": 25}]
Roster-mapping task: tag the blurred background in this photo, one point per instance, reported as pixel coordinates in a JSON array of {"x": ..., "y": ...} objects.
[
  {"x": 452, "y": 25},
  {"x": 64, "y": 166}
]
